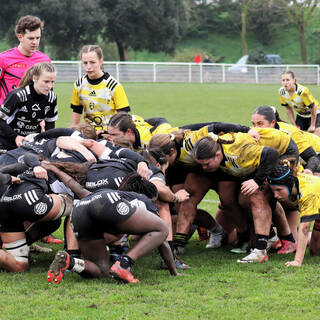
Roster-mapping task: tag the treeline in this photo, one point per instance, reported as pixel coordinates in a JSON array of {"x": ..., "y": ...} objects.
[{"x": 155, "y": 25}]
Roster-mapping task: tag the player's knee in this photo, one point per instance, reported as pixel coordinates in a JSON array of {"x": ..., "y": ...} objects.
[{"x": 20, "y": 252}]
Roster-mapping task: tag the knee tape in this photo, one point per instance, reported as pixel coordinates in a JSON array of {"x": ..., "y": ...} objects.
[
  {"x": 66, "y": 205},
  {"x": 18, "y": 249}
]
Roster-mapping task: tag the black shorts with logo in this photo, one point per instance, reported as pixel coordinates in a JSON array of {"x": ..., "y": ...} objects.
[
  {"x": 100, "y": 212},
  {"x": 20, "y": 203}
]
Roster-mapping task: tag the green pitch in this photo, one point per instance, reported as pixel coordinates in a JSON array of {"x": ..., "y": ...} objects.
[{"x": 216, "y": 287}]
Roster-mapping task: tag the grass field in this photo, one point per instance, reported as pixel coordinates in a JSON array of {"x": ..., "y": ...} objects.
[{"x": 216, "y": 287}]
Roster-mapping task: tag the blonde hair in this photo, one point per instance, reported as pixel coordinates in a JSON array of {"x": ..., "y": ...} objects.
[{"x": 35, "y": 70}]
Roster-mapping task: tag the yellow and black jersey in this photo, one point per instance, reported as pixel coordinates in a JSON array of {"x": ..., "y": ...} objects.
[
  {"x": 309, "y": 197},
  {"x": 270, "y": 137},
  {"x": 145, "y": 131},
  {"x": 190, "y": 138},
  {"x": 296, "y": 134},
  {"x": 98, "y": 99},
  {"x": 242, "y": 157},
  {"x": 302, "y": 100},
  {"x": 314, "y": 141}
]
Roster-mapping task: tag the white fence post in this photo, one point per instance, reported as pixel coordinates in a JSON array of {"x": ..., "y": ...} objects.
[
  {"x": 256, "y": 73},
  {"x": 154, "y": 73}
]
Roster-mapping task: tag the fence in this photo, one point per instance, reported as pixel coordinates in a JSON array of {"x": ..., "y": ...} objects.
[{"x": 69, "y": 71}]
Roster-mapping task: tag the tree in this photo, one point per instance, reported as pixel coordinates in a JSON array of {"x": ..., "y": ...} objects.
[
  {"x": 299, "y": 14},
  {"x": 264, "y": 18},
  {"x": 155, "y": 26},
  {"x": 71, "y": 24}
]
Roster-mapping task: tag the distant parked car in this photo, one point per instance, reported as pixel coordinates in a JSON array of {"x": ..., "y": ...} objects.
[{"x": 241, "y": 64}]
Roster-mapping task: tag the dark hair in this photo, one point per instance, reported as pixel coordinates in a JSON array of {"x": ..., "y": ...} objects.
[
  {"x": 123, "y": 121},
  {"x": 135, "y": 183},
  {"x": 78, "y": 171},
  {"x": 267, "y": 112},
  {"x": 284, "y": 174},
  {"x": 154, "y": 156},
  {"x": 35, "y": 70},
  {"x": 207, "y": 147},
  {"x": 30, "y": 23}
]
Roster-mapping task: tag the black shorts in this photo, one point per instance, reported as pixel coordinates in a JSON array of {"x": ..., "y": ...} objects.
[
  {"x": 304, "y": 123},
  {"x": 177, "y": 175},
  {"x": 22, "y": 203},
  {"x": 100, "y": 212}
]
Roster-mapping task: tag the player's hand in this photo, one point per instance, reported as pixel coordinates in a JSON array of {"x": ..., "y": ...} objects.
[
  {"x": 143, "y": 169},
  {"x": 249, "y": 187},
  {"x": 182, "y": 195},
  {"x": 88, "y": 143},
  {"x": 254, "y": 134},
  {"x": 15, "y": 180},
  {"x": 293, "y": 263},
  {"x": 40, "y": 173},
  {"x": 19, "y": 140},
  {"x": 42, "y": 126},
  {"x": 312, "y": 129}
]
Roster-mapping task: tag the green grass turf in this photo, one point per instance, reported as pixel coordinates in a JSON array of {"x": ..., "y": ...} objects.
[{"x": 216, "y": 287}]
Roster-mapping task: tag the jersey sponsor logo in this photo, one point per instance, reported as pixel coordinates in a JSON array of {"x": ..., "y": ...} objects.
[
  {"x": 35, "y": 107},
  {"x": 18, "y": 65},
  {"x": 40, "y": 208},
  {"x": 123, "y": 208},
  {"x": 98, "y": 183},
  {"x": 118, "y": 181},
  {"x": 232, "y": 160},
  {"x": 10, "y": 199},
  {"x": 85, "y": 202},
  {"x": 92, "y": 93}
]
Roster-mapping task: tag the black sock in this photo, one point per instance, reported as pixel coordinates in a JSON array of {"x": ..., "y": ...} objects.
[
  {"x": 126, "y": 262},
  {"x": 180, "y": 239},
  {"x": 243, "y": 236},
  {"x": 74, "y": 253},
  {"x": 272, "y": 233},
  {"x": 117, "y": 249},
  {"x": 261, "y": 241},
  {"x": 71, "y": 263},
  {"x": 289, "y": 237}
]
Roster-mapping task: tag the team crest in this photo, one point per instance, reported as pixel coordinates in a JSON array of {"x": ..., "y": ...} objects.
[
  {"x": 40, "y": 208},
  {"x": 91, "y": 105},
  {"x": 123, "y": 208}
]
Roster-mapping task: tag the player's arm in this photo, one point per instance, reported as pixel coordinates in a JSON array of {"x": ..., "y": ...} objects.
[
  {"x": 76, "y": 106},
  {"x": 268, "y": 160},
  {"x": 310, "y": 157},
  {"x": 75, "y": 187},
  {"x": 303, "y": 234},
  {"x": 120, "y": 99},
  {"x": 309, "y": 101},
  {"x": 290, "y": 114},
  {"x": 217, "y": 127}
]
